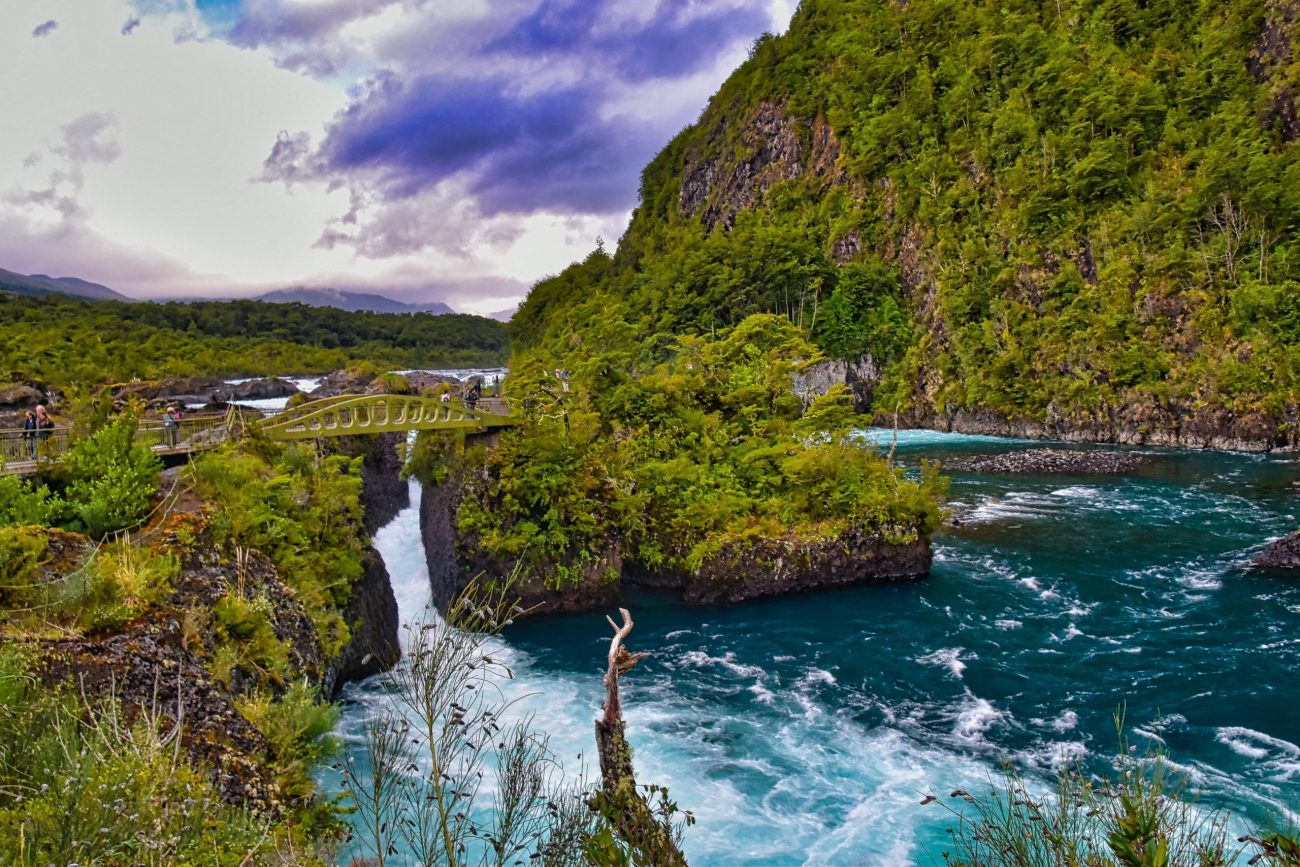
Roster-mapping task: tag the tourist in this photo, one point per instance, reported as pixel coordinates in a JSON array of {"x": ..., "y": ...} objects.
[
  {"x": 171, "y": 426},
  {"x": 29, "y": 433},
  {"x": 44, "y": 424},
  {"x": 446, "y": 396}
]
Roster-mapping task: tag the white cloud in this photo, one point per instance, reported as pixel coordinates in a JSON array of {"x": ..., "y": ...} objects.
[{"x": 133, "y": 139}]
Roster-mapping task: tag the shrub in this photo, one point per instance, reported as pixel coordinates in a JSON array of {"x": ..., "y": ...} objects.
[{"x": 110, "y": 479}]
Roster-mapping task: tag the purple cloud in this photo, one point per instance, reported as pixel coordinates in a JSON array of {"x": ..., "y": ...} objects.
[
  {"x": 129, "y": 27},
  {"x": 45, "y": 28},
  {"x": 671, "y": 44},
  {"x": 527, "y": 107}
]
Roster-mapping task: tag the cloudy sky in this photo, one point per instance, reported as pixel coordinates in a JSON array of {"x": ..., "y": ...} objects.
[{"x": 453, "y": 150}]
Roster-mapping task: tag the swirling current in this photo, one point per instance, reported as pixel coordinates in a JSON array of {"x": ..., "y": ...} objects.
[{"x": 803, "y": 730}]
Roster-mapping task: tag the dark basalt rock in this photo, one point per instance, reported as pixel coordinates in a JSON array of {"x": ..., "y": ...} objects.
[
  {"x": 208, "y": 572},
  {"x": 258, "y": 389},
  {"x": 455, "y": 560},
  {"x": 1282, "y": 553},
  {"x": 371, "y": 614},
  {"x": 1142, "y": 421},
  {"x": 150, "y": 669},
  {"x": 384, "y": 492},
  {"x": 1048, "y": 462},
  {"x": 745, "y": 570}
]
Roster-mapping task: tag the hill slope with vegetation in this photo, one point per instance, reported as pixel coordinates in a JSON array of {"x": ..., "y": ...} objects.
[{"x": 1077, "y": 215}]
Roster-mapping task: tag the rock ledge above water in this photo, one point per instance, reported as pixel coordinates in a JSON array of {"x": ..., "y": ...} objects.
[{"x": 1048, "y": 462}]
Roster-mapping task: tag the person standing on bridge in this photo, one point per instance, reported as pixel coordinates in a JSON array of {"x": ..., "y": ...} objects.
[
  {"x": 44, "y": 424},
  {"x": 171, "y": 425},
  {"x": 29, "y": 433}
]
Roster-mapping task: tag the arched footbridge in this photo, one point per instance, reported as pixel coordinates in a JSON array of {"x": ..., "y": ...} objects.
[{"x": 345, "y": 415}]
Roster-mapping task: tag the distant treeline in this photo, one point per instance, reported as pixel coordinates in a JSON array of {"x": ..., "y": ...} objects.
[{"x": 64, "y": 340}]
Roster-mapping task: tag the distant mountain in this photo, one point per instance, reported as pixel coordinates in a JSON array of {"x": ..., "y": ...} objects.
[
  {"x": 42, "y": 284},
  {"x": 352, "y": 301},
  {"x": 503, "y": 315}
]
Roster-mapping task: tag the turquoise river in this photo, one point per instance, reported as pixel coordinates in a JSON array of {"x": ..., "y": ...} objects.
[{"x": 804, "y": 730}]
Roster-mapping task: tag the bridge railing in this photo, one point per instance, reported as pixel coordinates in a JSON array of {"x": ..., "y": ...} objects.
[
  {"x": 199, "y": 431},
  {"x": 196, "y": 431},
  {"x": 19, "y": 446}
]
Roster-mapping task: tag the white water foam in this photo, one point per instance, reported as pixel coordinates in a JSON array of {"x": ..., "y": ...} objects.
[
  {"x": 975, "y": 716},
  {"x": 400, "y": 544},
  {"x": 949, "y": 658}
]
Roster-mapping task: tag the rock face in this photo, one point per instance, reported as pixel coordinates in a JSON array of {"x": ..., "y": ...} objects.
[
  {"x": 371, "y": 611},
  {"x": 1284, "y": 553},
  {"x": 455, "y": 560},
  {"x": 778, "y": 147},
  {"x": 861, "y": 377},
  {"x": 1176, "y": 425},
  {"x": 1048, "y": 462},
  {"x": 776, "y": 567},
  {"x": 384, "y": 492},
  {"x": 150, "y": 669},
  {"x": 371, "y": 614}
]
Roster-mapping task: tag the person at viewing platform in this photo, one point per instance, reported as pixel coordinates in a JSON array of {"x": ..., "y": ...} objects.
[
  {"x": 44, "y": 424},
  {"x": 29, "y": 433},
  {"x": 171, "y": 426}
]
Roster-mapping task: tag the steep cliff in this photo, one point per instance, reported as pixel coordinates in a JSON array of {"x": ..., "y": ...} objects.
[{"x": 1059, "y": 219}]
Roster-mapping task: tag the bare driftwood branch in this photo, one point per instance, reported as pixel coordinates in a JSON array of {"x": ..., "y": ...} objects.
[{"x": 649, "y": 835}]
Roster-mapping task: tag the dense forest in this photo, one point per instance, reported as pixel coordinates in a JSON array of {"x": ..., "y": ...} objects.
[
  {"x": 64, "y": 340},
  {"x": 1039, "y": 207}
]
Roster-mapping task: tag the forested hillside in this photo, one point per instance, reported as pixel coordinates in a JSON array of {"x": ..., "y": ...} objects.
[
  {"x": 63, "y": 340},
  {"x": 1080, "y": 214}
]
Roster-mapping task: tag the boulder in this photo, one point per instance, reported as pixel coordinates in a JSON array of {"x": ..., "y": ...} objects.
[
  {"x": 343, "y": 382},
  {"x": 17, "y": 396},
  {"x": 259, "y": 389},
  {"x": 1281, "y": 553}
]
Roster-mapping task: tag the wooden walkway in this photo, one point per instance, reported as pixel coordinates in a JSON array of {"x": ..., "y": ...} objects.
[{"x": 346, "y": 415}]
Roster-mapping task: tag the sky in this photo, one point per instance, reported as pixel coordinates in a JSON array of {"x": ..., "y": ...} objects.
[{"x": 429, "y": 150}]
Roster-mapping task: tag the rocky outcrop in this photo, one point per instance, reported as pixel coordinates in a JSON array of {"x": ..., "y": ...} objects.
[
  {"x": 182, "y": 389},
  {"x": 775, "y": 146},
  {"x": 1048, "y": 462},
  {"x": 861, "y": 377},
  {"x": 151, "y": 670},
  {"x": 1282, "y": 553},
  {"x": 258, "y": 389},
  {"x": 209, "y": 572},
  {"x": 455, "y": 560},
  {"x": 1142, "y": 422},
  {"x": 751, "y": 569},
  {"x": 741, "y": 570},
  {"x": 1269, "y": 61},
  {"x": 371, "y": 610},
  {"x": 371, "y": 615}
]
